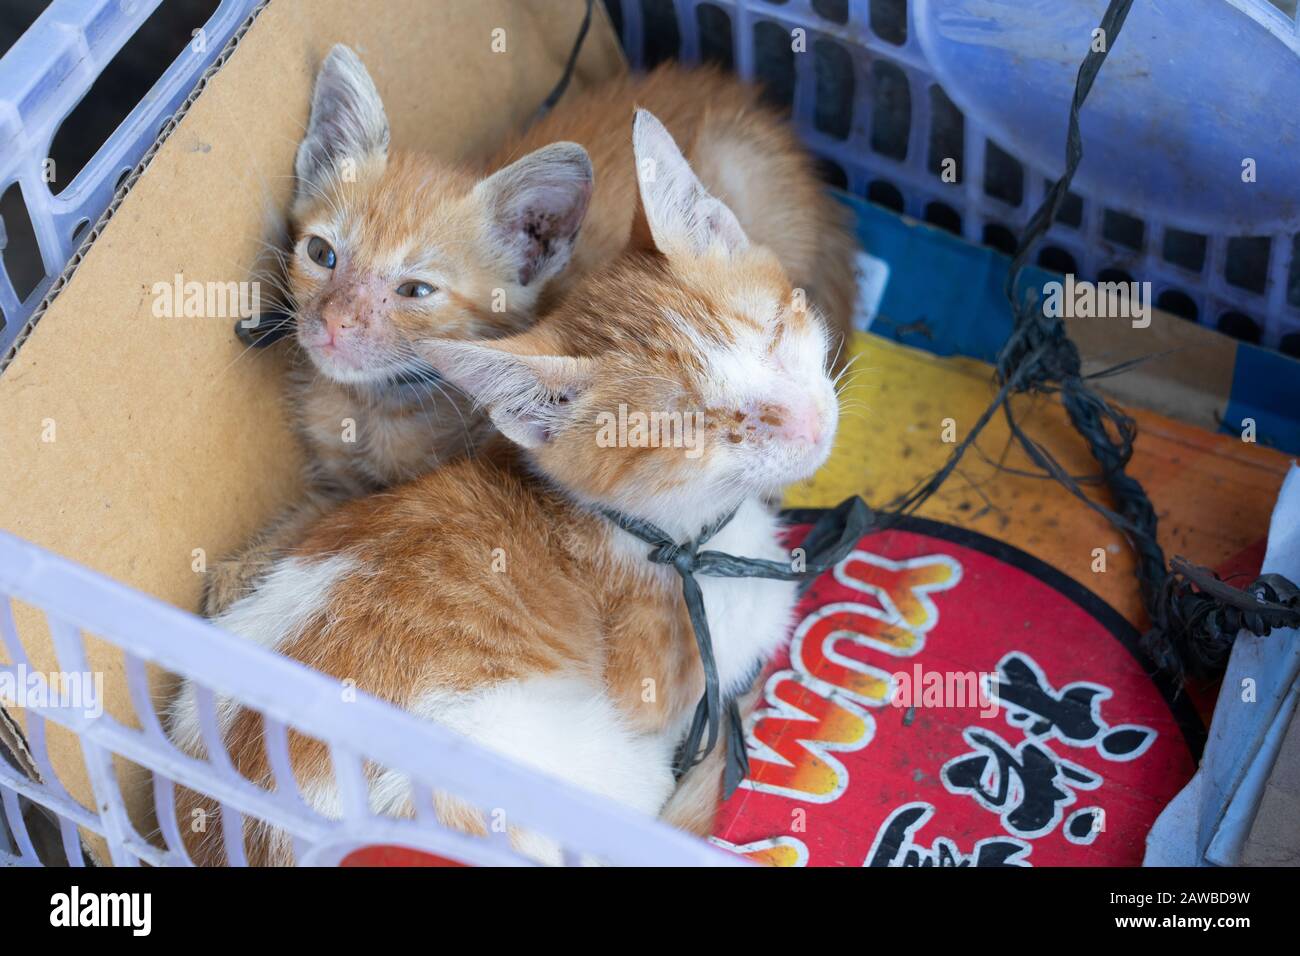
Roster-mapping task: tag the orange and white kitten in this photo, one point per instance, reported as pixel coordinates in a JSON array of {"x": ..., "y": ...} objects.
[
  {"x": 411, "y": 248},
  {"x": 548, "y": 660}
]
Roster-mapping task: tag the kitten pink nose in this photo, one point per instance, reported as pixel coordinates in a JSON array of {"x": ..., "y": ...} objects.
[
  {"x": 338, "y": 318},
  {"x": 334, "y": 328},
  {"x": 349, "y": 307},
  {"x": 801, "y": 424}
]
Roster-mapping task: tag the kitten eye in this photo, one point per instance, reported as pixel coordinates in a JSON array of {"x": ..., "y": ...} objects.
[
  {"x": 414, "y": 290},
  {"x": 320, "y": 252}
]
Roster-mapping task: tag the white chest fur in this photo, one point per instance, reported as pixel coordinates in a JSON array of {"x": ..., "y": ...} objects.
[{"x": 749, "y": 618}]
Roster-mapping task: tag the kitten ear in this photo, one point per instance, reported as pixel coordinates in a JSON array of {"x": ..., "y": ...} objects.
[
  {"x": 347, "y": 120},
  {"x": 529, "y": 397},
  {"x": 675, "y": 209},
  {"x": 536, "y": 206}
]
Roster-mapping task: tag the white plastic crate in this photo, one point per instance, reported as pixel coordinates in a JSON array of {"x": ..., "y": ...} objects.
[
  {"x": 885, "y": 90},
  {"x": 362, "y": 731}
]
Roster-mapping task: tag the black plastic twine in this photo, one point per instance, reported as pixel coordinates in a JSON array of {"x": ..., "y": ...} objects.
[
  {"x": 1194, "y": 616},
  {"x": 554, "y": 97},
  {"x": 832, "y": 537}
]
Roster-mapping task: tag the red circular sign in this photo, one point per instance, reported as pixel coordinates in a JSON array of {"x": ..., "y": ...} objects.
[{"x": 949, "y": 700}]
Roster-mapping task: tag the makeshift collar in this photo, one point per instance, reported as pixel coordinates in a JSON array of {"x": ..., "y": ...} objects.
[{"x": 831, "y": 538}]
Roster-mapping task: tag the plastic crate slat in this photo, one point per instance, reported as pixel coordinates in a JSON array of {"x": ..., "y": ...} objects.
[
  {"x": 275, "y": 739},
  {"x": 164, "y": 802},
  {"x": 274, "y": 685},
  {"x": 71, "y": 838},
  {"x": 232, "y": 835}
]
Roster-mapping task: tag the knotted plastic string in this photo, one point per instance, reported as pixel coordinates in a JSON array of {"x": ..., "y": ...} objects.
[
  {"x": 1203, "y": 614},
  {"x": 831, "y": 538},
  {"x": 1195, "y": 617}
]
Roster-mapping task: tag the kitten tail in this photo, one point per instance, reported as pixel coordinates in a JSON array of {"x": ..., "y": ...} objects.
[{"x": 694, "y": 805}]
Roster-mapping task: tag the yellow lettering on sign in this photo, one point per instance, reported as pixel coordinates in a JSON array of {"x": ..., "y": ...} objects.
[{"x": 816, "y": 709}]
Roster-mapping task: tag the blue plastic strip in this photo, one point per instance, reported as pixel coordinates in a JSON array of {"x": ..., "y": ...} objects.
[
  {"x": 1266, "y": 387},
  {"x": 945, "y": 295}
]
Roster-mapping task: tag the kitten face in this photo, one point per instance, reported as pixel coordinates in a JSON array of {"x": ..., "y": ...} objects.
[
  {"x": 681, "y": 381},
  {"x": 393, "y": 249},
  {"x": 719, "y": 392}
]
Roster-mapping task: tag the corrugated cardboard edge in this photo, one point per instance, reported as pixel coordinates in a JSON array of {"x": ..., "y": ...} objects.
[
  {"x": 11, "y": 738},
  {"x": 94, "y": 232},
  {"x": 47, "y": 840}
]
